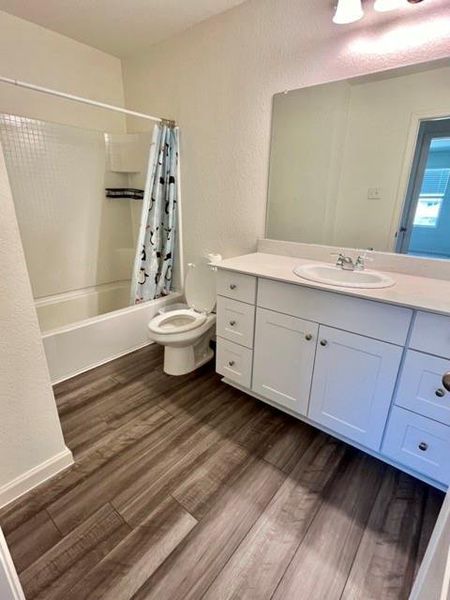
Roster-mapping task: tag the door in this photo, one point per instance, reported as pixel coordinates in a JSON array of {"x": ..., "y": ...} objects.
[
  {"x": 284, "y": 359},
  {"x": 425, "y": 223},
  {"x": 353, "y": 383}
]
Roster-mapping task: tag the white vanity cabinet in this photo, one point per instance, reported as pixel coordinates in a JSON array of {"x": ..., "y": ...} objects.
[
  {"x": 343, "y": 364},
  {"x": 353, "y": 383},
  {"x": 283, "y": 361}
]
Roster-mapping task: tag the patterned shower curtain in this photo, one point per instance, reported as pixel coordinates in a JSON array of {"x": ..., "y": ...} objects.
[{"x": 152, "y": 276}]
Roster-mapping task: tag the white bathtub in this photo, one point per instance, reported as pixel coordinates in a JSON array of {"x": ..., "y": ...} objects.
[
  {"x": 71, "y": 307},
  {"x": 79, "y": 332}
]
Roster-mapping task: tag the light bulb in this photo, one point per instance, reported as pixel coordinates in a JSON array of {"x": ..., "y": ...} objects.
[
  {"x": 348, "y": 11},
  {"x": 386, "y": 5}
]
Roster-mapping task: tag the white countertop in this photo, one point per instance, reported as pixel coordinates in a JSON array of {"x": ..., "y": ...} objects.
[{"x": 420, "y": 293}]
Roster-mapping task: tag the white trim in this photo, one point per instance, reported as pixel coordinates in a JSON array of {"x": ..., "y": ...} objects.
[
  {"x": 446, "y": 579},
  {"x": 431, "y": 583},
  {"x": 8, "y": 574},
  {"x": 35, "y": 476}
]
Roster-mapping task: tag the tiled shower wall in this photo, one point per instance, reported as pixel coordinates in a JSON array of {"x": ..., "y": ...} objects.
[{"x": 73, "y": 236}]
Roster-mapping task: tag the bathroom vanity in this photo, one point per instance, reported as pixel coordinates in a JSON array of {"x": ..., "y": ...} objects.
[{"x": 369, "y": 366}]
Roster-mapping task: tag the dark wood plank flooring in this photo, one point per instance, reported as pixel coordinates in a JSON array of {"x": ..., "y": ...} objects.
[{"x": 184, "y": 488}]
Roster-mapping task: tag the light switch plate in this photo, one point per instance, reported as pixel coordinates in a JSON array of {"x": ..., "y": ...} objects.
[{"x": 374, "y": 193}]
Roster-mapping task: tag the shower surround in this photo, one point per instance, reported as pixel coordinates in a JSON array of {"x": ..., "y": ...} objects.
[{"x": 80, "y": 244}]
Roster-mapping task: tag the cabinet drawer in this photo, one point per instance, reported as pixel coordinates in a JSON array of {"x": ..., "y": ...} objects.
[
  {"x": 235, "y": 321},
  {"x": 237, "y": 286},
  {"x": 431, "y": 333},
  {"x": 421, "y": 389},
  {"x": 365, "y": 317},
  {"x": 418, "y": 443},
  {"x": 234, "y": 362}
]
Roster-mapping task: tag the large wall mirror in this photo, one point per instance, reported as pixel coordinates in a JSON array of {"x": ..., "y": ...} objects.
[{"x": 364, "y": 163}]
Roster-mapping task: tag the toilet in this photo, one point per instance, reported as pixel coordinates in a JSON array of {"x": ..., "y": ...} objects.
[{"x": 186, "y": 333}]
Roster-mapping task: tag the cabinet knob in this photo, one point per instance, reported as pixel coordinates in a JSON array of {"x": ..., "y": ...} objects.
[
  {"x": 231, "y": 363},
  {"x": 440, "y": 393},
  {"x": 323, "y": 343},
  {"x": 308, "y": 337},
  {"x": 423, "y": 446},
  {"x": 232, "y": 286},
  {"x": 446, "y": 381},
  {"x": 232, "y": 323}
]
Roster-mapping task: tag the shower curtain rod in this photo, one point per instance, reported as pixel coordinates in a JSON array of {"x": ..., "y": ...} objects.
[{"x": 51, "y": 92}]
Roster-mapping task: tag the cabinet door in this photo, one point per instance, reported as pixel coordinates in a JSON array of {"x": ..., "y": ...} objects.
[
  {"x": 284, "y": 358},
  {"x": 353, "y": 383}
]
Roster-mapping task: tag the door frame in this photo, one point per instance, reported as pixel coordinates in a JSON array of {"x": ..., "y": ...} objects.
[
  {"x": 8, "y": 574},
  {"x": 410, "y": 149},
  {"x": 428, "y": 129}
]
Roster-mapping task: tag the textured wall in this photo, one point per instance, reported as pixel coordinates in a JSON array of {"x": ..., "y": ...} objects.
[
  {"x": 30, "y": 432},
  {"x": 29, "y": 428},
  {"x": 40, "y": 56},
  {"x": 217, "y": 79}
]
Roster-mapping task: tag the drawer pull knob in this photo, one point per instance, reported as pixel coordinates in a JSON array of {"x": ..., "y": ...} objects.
[
  {"x": 232, "y": 286},
  {"x": 308, "y": 337},
  {"x": 231, "y": 363},
  {"x": 423, "y": 446},
  {"x": 446, "y": 381},
  {"x": 323, "y": 343},
  {"x": 440, "y": 393},
  {"x": 232, "y": 323}
]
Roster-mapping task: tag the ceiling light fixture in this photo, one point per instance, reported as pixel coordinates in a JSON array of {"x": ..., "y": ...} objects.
[
  {"x": 348, "y": 11},
  {"x": 386, "y": 5}
]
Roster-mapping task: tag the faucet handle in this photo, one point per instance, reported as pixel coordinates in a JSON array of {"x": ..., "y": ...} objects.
[
  {"x": 360, "y": 262},
  {"x": 340, "y": 258}
]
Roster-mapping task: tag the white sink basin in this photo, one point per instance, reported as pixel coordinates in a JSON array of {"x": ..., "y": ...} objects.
[{"x": 332, "y": 275}]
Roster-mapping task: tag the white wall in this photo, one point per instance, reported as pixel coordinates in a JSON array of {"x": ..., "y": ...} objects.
[
  {"x": 305, "y": 162},
  {"x": 40, "y": 56},
  {"x": 217, "y": 79},
  {"x": 30, "y": 432}
]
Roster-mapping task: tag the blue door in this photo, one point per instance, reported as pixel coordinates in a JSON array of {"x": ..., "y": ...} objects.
[{"x": 425, "y": 227}]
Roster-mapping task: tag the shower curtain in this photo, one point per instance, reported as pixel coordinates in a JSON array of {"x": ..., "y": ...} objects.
[{"x": 152, "y": 274}]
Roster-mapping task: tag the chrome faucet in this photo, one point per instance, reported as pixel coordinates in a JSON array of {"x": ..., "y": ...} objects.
[
  {"x": 348, "y": 264},
  {"x": 345, "y": 262}
]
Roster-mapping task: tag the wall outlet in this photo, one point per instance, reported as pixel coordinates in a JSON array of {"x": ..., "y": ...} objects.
[{"x": 374, "y": 193}]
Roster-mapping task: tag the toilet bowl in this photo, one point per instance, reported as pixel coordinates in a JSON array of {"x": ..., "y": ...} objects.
[{"x": 186, "y": 333}]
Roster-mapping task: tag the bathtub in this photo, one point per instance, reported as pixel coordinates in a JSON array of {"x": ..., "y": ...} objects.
[{"x": 82, "y": 330}]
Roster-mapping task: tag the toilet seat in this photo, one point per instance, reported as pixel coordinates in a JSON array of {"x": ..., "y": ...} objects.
[
  {"x": 177, "y": 321},
  {"x": 185, "y": 333}
]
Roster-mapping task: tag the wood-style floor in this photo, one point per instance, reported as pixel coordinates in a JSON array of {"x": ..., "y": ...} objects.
[{"x": 184, "y": 488}]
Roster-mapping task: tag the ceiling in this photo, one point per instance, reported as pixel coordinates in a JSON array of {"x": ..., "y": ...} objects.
[{"x": 119, "y": 27}]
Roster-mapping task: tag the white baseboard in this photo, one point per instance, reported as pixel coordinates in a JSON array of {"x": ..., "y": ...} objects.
[
  {"x": 10, "y": 588},
  {"x": 35, "y": 476}
]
